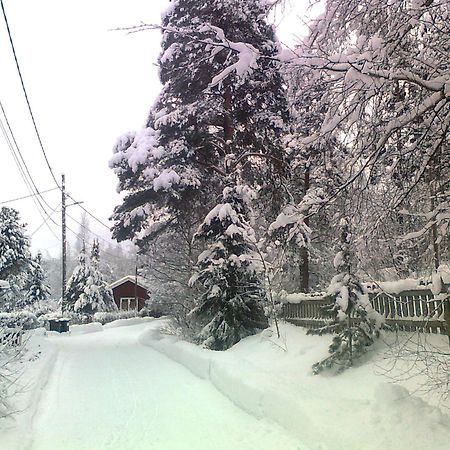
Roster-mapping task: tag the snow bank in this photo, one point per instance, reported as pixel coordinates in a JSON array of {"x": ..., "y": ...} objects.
[
  {"x": 93, "y": 327},
  {"x": 395, "y": 409},
  {"x": 252, "y": 389},
  {"x": 127, "y": 322},
  {"x": 40, "y": 356},
  {"x": 271, "y": 378}
]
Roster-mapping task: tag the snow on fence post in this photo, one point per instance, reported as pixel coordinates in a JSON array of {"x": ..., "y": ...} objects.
[{"x": 408, "y": 310}]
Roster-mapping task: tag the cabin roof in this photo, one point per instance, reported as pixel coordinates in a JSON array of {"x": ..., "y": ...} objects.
[{"x": 142, "y": 282}]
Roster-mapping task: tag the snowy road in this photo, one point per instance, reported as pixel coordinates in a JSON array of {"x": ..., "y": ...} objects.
[{"x": 107, "y": 391}]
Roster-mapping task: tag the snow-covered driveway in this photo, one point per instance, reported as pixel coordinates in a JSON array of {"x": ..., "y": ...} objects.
[{"x": 107, "y": 391}]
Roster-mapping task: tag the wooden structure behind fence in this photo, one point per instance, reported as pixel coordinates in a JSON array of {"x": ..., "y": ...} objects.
[{"x": 417, "y": 310}]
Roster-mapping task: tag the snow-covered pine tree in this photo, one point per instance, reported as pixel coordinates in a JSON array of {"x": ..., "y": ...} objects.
[
  {"x": 96, "y": 296},
  {"x": 231, "y": 307},
  {"x": 38, "y": 288},
  {"x": 356, "y": 323},
  {"x": 14, "y": 244},
  {"x": 199, "y": 131},
  {"x": 77, "y": 282},
  {"x": 15, "y": 258}
]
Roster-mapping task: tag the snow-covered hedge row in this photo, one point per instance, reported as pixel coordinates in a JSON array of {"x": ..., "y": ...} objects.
[
  {"x": 124, "y": 322},
  {"x": 106, "y": 317},
  {"x": 23, "y": 319},
  {"x": 94, "y": 327}
]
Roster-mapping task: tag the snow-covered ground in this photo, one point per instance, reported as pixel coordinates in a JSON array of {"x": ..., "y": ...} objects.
[
  {"x": 358, "y": 409},
  {"x": 107, "y": 391},
  {"x": 135, "y": 387}
]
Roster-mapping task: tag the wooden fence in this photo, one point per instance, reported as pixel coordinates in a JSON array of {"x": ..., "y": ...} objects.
[
  {"x": 11, "y": 337},
  {"x": 417, "y": 310}
]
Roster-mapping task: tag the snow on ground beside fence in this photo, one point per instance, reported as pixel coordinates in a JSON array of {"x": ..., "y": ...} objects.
[
  {"x": 298, "y": 297},
  {"x": 272, "y": 378}
]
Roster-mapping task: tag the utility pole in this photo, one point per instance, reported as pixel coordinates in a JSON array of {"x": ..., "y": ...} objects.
[
  {"x": 64, "y": 241},
  {"x": 64, "y": 247},
  {"x": 136, "y": 283}
]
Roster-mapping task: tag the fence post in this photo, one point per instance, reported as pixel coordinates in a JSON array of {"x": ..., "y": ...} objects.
[{"x": 447, "y": 316}]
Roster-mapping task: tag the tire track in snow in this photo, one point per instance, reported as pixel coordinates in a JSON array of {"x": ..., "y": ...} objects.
[{"x": 113, "y": 393}]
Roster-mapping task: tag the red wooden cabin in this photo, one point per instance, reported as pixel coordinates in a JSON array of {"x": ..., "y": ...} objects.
[{"x": 128, "y": 294}]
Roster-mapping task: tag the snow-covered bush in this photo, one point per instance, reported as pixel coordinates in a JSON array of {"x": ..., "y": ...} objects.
[
  {"x": 44, "y": 308},
  {"x": 25, "y": 320}
]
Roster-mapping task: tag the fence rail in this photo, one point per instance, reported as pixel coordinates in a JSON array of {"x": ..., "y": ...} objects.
[
  {"x": 417, "y": 310},
  {"x": 11, "y": 337}
]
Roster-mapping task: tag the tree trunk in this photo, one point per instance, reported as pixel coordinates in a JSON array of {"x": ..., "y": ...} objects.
[
  {"x": 434, "y": 231},
  {"x": 228, "y": 129},
  {"x": 304, "y": 251}
]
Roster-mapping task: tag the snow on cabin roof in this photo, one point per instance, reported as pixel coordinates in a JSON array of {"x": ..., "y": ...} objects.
[{"x": 142, "y": 282}]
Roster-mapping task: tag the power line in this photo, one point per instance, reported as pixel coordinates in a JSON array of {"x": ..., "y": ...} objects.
[
  {"x": 45, "y": 221},
  {"x": 35, "y": 128},
  {"x": 19, "y": 166},
  {"x": 89, "y": 213},
  {"x": 26, "y": 95},
  {"x": 32, "y": 115},
  {"x": 28, "y": 196},
  {"x": 22, "y": 158},
  {"x": 29, "y": 184},
  {"x": 89, "y": 230}
]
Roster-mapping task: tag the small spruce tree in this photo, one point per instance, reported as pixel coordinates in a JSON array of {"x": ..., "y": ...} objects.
[
  {"x": 231, "y": 306},
  {"x": 77, "y": 282},
  {"x": 38, "y": 289},
  {"x": 96, "y": 297},
  {"x": 355, "y": 321}
]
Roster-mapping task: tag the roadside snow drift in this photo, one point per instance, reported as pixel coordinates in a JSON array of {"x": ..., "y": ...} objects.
[{"x": 272, "y": 378}]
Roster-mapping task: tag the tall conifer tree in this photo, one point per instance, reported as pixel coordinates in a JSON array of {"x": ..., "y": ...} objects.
[{"x": 198, "y": 131}]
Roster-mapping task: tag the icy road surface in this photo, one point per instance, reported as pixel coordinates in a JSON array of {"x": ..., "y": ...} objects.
[{"x": 107, "y": 391}]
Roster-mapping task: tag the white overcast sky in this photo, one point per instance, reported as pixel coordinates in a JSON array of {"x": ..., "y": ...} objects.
[{"x": 87, "y": 85}]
